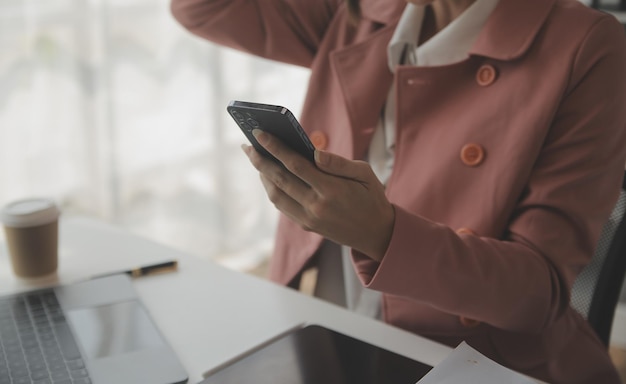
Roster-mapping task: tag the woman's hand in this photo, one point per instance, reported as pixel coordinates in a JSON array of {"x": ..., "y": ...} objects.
[{"x": 339, "y": 199}]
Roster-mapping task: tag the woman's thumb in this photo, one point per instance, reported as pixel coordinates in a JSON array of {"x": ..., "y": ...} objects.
[{"x": 334, "y": 164}]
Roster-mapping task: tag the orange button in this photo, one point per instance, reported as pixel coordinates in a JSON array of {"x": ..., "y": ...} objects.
[
  {"x": 468, "y": 323},
  {"x": 465, "y": 231},
  {"x": 319, "y": 140},
  {"x": 472, "y": 154},
  {"x": 486, "y": 75}
]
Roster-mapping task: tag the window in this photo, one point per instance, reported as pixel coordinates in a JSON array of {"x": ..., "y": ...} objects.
[{"x": 117, "y": 112}]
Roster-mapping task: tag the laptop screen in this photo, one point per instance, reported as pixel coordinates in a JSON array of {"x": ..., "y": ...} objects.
[{"x": 315, "y": 354}]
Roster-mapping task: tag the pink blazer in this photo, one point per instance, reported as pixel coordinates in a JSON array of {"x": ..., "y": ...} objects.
[{"x": 507, "y": 164}]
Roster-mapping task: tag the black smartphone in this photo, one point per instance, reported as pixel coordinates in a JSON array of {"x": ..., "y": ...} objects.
[{"x": 274, "y": 119}]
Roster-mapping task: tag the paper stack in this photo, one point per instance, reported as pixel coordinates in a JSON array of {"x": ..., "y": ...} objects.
[{"x": 468, "y": 366}]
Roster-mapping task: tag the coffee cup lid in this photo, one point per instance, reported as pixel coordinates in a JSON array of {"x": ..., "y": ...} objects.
[{"x": 29, "y": 212}]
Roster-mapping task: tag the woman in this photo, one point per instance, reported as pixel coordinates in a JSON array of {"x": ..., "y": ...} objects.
[{"x": 493, "y": 134}]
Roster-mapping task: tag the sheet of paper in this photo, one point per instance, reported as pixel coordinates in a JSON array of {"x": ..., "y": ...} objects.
[{"x": 465, "y": 365}]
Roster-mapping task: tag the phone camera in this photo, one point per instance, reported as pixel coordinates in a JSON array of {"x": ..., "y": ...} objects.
[
  {"x": 253, "y": 123},
  {"x": 238, "y": 116},
  {"x": 246, "y": 127}
]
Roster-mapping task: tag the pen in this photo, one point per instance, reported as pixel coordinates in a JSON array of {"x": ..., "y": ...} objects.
[{"x": 168, "y": 266}]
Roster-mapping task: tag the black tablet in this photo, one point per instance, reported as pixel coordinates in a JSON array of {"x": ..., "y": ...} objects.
[{"x": 317, "y": 355}]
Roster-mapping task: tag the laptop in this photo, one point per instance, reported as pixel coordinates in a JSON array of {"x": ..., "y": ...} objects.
[
  {"x": 92, "y": 332},
  {"x": 315, "y": 354}
]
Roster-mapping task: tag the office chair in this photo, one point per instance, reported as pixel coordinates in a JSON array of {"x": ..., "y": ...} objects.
[
  {"x": 596, "y": 291},
  {"x": 609, "y": 5}
]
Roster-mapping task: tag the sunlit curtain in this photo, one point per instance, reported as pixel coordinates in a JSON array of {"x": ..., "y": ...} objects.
[{"x": 114, "y": 110}]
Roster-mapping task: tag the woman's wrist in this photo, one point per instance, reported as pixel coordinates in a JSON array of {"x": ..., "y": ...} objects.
[{"x": 381, "y": 235}]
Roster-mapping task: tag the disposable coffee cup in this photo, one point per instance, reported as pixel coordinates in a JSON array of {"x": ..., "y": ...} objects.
[{"x": 31, "y": 229}]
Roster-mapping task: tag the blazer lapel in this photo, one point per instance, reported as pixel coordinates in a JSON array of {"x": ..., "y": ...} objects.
[{"x": 364, "y": 78}]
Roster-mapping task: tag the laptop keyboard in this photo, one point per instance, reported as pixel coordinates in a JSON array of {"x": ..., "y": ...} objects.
[{"x": 36, "y": 343}]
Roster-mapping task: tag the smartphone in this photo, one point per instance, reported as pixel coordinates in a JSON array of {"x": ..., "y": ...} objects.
[{"x": 273, "y": 119}]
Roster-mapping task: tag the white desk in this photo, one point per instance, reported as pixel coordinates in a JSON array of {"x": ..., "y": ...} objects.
[{"x": 209, "y": 314}]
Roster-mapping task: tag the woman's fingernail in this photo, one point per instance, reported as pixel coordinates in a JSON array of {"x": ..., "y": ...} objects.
[
  {"x": 321, "y": 157},
  {"x": 260, "y": 136}
]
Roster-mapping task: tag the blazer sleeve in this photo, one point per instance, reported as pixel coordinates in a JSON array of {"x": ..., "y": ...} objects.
[
  {"x": 522, "y": 282},
  {"x": 289, "y": 31}
]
